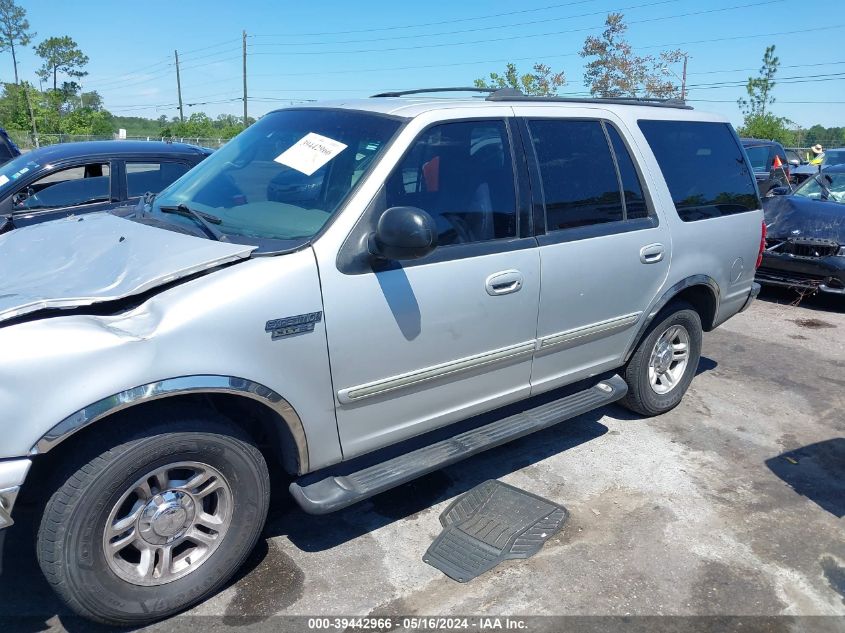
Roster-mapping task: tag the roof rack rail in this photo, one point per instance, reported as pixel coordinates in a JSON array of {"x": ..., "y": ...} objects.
[
  {"x": 490, "y": 91},
  {"x": 516, "y": 95},
  {"x": 512, "y": 94}
]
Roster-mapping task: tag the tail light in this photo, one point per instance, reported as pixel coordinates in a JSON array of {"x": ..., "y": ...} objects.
[{"x": 762, "y": 245}]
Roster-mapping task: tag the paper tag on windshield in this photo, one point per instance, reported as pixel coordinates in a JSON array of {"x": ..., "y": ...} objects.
[
  {"x": 310, "y": 153},
  {"x": 3, "y": 179}
]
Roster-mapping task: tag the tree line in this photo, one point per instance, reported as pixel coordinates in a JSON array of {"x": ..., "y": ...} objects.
[{"x": 58, "y": 105}]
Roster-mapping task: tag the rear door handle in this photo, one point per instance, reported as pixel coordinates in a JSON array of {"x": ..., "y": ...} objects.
[
  {"x": 503, "y": 283},
  {"x": 652, "y": 253}
]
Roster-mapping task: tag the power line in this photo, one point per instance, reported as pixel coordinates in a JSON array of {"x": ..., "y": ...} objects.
[
  {"x": 426, "y": 24},
  {"x": 549, "y": 56},
  {"x": 739, "y": 70},
  {"x": 476, "y": 29},
  {"x": 523, "y": 36},
  {"x": 781, "y": 80}
]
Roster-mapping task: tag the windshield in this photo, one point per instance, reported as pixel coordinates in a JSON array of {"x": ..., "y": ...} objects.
[
  {"x": 833, "y": 157},
  {"x": 759, "y": 157},
  {"x": 14, "y": 169},
  {"x": 834, "y": 183},
  {"x": 283, "y": 177}
]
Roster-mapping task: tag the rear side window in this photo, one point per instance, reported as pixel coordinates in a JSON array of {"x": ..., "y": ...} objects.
[
  {"x": 579, "y": 178},
  {"x": 759, "y": 157},
  {"x": 151, "y": 176},
  {"x": 704, "y": 168}
]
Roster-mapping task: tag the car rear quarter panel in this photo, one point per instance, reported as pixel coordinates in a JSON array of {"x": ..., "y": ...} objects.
[{"x": 724, "y": 248}]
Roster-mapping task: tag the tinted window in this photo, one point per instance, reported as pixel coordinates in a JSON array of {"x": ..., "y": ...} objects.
[
  {"x": 635, "y": 206},
  {"x": 71, "y": 187},
  {"x": 759, "y": 157},
  {"x": 579, "y": 177},
  {"x": 833, "y": 157},
  {"x": 462, "y": 174},
  {"x": 283, "y": 177},
  {"x": 152, "y": 177},
  {"x": 704, "y": 168}
]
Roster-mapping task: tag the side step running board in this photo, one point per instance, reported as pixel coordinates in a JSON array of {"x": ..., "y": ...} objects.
[{"x": 334, "y": 492}]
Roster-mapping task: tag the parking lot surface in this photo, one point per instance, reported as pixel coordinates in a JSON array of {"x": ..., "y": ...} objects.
[{"x": 731, "y": 504}]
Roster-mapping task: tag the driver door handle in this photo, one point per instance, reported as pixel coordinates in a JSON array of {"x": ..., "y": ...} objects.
[
  {"x": 652, "y": 253},
  {"x": 503, "y": 283}
]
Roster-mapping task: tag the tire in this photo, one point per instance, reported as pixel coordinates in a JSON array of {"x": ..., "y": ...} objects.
[
  {"x": 646, "y": 394},
  {"x": 104, "y": 580}
]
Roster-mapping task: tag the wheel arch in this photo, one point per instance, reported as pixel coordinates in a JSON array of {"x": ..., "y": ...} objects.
[
  {"x": 259, "y": 408},
  {"x": 700, "y": 291}
]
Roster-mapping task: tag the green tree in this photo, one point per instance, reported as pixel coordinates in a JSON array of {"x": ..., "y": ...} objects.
[
  {"x": 760, "y": 88},
  {"x": 615, "y": 71},
  {"x": 541, "y": 82},
  {"x": 768, "y": 126},
  {"x": 60, "y": 54},
  {"x": 14, "y": 29}
]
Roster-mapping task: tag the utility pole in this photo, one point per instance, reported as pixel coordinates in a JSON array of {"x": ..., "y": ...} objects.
[
  {"x": 684, "y": 80},
  {"x": 179, "y": 87},
  {"x": 245, "y": 116}
]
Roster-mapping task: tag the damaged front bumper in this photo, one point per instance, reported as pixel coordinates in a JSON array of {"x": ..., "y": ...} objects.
[
  {"x": 12, "y": 475},
  {"x": 824, "y": 274}
]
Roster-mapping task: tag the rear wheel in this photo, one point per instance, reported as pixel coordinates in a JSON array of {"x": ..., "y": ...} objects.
[
  {"x": 149, "y": 523},
  {"x": 664, "y": 363}
]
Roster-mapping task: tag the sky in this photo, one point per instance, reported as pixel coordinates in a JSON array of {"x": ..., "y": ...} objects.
[{"x": 328, "y": 50}]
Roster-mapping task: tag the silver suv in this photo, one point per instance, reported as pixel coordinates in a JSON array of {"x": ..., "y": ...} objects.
[{"x": 331, "y": 301}]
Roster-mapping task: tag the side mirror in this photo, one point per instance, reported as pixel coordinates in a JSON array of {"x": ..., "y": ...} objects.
[
  {"x": 779, "y": 191},
  {"x": 403, "y": 233}
]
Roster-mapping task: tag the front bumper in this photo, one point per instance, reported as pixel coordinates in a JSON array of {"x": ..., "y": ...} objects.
[
  {"x": 826, "y": 274},
  {"x": 12, "y": 475}
]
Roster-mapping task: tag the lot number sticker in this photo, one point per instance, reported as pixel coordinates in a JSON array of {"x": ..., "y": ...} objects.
[{"x": 310, "y": 153}]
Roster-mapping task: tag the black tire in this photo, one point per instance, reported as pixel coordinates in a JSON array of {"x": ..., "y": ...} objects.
[
  {"x": 70, "y": 545},
  {"x": 641, "y": 397}
]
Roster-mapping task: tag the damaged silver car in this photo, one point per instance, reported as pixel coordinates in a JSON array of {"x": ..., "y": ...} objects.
[{"x": 343, "y": 298}]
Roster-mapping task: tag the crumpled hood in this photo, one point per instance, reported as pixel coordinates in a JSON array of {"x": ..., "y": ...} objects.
[
  {"x": 795, "y": 216},
  {"x": 79, "y": 261}
]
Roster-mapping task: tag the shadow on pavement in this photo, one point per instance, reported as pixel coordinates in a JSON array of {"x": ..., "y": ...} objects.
[
  {"x": 316, "y": 533},
  {"x": 816, "y": 471},
  {"x": 820, "y": 302}
]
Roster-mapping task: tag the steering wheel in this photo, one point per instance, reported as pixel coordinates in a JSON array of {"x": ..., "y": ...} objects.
[
  {"x": 23, "y": 198},
  {"x": 460, "y": 226}
]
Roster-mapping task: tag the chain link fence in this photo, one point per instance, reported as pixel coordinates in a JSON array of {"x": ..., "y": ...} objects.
[{"x": 26, "y": 140}]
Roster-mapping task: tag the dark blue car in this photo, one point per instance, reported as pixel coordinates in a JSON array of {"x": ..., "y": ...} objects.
[
  {"x": 75, "y": 178},
  {"x": 8, "y": 149},
  {"x": 805, "y": 246}
]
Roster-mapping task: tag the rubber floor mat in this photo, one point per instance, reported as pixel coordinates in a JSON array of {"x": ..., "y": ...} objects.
[{"x": 491, "y": 523}]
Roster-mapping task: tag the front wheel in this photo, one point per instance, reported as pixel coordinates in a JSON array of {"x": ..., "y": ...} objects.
[
  {"x": 664, "y": 363},
  {"x": 152, "y": 522}
]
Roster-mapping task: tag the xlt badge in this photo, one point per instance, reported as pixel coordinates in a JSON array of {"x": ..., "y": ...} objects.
[{"x": 298, "y": 324}]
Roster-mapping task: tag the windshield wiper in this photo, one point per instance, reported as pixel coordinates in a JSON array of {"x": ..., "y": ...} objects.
[
  {"x": 825, "y": 191},
  {"x": 205, "y": 220}
]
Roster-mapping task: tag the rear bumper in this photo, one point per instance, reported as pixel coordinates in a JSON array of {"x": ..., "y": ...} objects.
[
  {"x": 755, "y": 291},
  {"x": 825, "y": 274},
  {"x": 12, "y": 475}
]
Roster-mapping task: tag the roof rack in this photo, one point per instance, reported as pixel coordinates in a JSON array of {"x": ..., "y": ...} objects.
[
  {"x": 489, "y": 91},
  {"x": 643, "y": 101},
  {"x": 511, "y": 94}
]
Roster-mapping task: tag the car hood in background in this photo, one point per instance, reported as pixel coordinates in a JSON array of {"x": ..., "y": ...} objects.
[
  {"x": 80, "y": 261},
  {"x": 795, "y": 216}
]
